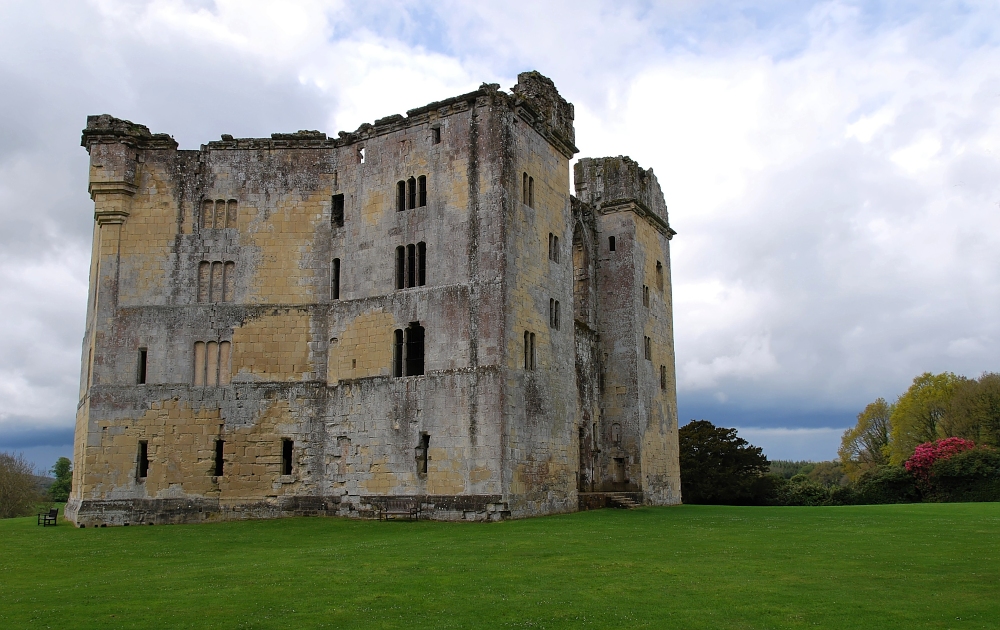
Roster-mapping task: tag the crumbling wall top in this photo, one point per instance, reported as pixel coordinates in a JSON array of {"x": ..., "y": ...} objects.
[
  {"x": 107, "y": 129},
  {"x": 610, "y": 181}
]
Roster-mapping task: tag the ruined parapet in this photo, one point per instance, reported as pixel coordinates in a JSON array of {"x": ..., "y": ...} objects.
[
  {"x": 539, "y": 103},
  {"x": 610, "y": 182}
]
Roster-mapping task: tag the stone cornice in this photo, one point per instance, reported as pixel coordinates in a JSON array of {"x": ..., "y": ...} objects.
[
  {"x": 111, "y": 188},
  {"x": 640, "y": 209}
]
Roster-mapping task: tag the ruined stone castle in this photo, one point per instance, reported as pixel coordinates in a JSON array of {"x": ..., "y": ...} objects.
[{"x": 416, "y": 310}]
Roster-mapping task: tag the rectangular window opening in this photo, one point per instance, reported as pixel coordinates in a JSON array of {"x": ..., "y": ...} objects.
[
  {"x": 411, "y": 198},
  {"x": 204, "y": 280},
  {"x": 400, "y": 196},
  {"x": 361, "y": 155},
  {"x": 219, "y": 459},
  {"x": 199, "y": 364},
  {"x": 142, "y": 463},
  {"x": 337, "y": 211},
  {"x": 414, "y": 349},
  {"x": 422, "y": 190},
  {"x": 335, "y": 280},
  {"x": 531, "y": 192},
  {"x": 645, "y": 295},
  {"x": 286, "y": 456},
  {"x": 524, "y": 189},
  {"x": 400, "y": 267},
  {"x": 397, "y": 353},
  {"x": 557, "y": 315},
  {"x": 216, "y": 293},
  {"x": 140, "y": 377},
  {"x": 552, "y": 313},
  {"x": 435, "y": 135},
  {"x": 531, "y": 351},
  {"x": 663, "y": 377},
  {"x": 411, "y": 266},
  {"x": 555, "y": 249},
  {"x": 207, "y": 213},
  {"x": 647, "y": 344},
  {"x": 421, "y": 264},
  {"x": 659, "y": 276},
  {"x": 228, "y": 281},
  {"x": 611, "y": 243},
  {"x": 422, "y": 448}
]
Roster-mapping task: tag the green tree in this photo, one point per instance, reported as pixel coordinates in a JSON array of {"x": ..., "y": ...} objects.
[
  {"x": 63, "y": 472},
  {"x": 866, "y": 446},
  {"x": 917, "y": 415},
  {"x": 974, "y": 412},
  {"x": 18, "y": 487},
  {"x": 717, "y": 467}
]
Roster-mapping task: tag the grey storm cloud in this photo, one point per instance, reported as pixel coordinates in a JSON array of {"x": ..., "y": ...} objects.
[{"x": 831, "y": 167}]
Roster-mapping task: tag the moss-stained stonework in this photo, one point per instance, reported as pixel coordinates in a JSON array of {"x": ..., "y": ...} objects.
[{"x": 418, "y": 309}]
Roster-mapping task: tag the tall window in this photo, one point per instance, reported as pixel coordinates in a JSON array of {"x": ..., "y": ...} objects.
[
  {"x": 411, "y": 193},
  {"x": 212, "y": 363},
  {"x": 422, "y": 448},
  {"x": 411, "y": 265},
  {"x": 554, "y": 314},
  {"x": 408, "y": 351},
  {"x": 531, "y": 192},
  {"x": 216, "y": 281},
  {"x": 400, "y": 196},
  {"x": 140, "y": 376},
  {"x": 286, "y": 456},
  {"x": 142, "y": 461},
  {"x": 337, "y": 211},
  {"x": 663, "y": 377},
  {"x": 422, "y": 191},
  {"x": 645, "y": 295},
  {"x": 553, "y": 247},
  {"x": 647, "y": 348},
  {"x": 659, "y": 276},
  {"x": 335, "y": 279},
  {"x": 219, "y": 458},
  {"x": 524, "y": 189},
  {"x": 529, "y": 350},
  {"x": 611, "y": 243},
  {"x": 435, "y": 135}
]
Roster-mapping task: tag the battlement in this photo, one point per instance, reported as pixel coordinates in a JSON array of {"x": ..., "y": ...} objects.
[{"x": 608, "y": 183}]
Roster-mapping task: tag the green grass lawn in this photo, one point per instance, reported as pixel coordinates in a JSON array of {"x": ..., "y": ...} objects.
[{"x": 890, "y": 566}]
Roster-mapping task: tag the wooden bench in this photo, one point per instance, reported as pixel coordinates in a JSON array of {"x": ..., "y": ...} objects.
[
  {"x": 51, "y": 518},
  {"x": 399, "y": 507}
]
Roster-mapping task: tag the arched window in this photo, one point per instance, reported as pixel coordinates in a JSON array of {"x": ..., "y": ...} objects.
[
  {"x": 411, "y": 201},
  {"x": 400, "y": 196},
  {"x": 422, "y": 190}
]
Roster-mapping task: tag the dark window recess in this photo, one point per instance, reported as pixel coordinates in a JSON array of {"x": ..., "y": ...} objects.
[
  {"x": 611, "y": 243},
  {"x": 414, "y": 349},
  {"x": 616, "y": 433},
  {"x": 524, "y": 189},
  {"x": 397, "y": 353},
  {"x": 531, "y": 192},
  {"x": 422, "y": 191},
  {"x": 422, "y": 448},
  {"x": 435, "y": 135},
  {"x": 335, "y": 280},
  {"x": 411, "y": 196},
  {"x": 219, "y": 459},
  {"x": 647, "y": 346},
  {"x": 620, "y": 470},
  {"x": 659, "y": 276},
  {"x": 554, "y": 314},
  {"x": 400, "y": 196},
  {"x": 142, "y": 465},
  {"x": 411, "y": 265},
  {"x": 337, "y": 211},
  {"x": 553, "y": 247},
  {"x": 645, "y": 295},
  {"x": 663, "y": 377},
  {"x": 286, "y": 456},
  {"x": 529, "y": 350},
  {"x": 140, "y": 376}
]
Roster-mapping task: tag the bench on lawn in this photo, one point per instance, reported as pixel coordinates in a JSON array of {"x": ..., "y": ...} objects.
[
  {"x": 391, "y": 508},
  {"x": 49, "y": 519}
]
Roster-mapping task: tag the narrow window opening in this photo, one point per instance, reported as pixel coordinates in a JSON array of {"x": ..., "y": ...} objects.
[
  {"x": 212, "y": 363},
  {"x": 411, "y": 189},
  {"x": 645, "y": 295},
  {"x": 140, "y": 377},
  {"x": 421, "y": 264},
  {"x": 220, "y": 213},
  {"x": 555, "y": 248},
  {"x": 219, "y": 459},
  {"x": 199, "y": 364},
  {"x": 552, "y": 313},
  {"x": 532, "y": 351},
  {"x": 524, "y": 189},
  {"x": 400, "y": 196},
  {"x": 397, "y": 353},
  {"x": 142, "y": 463},
  {"x": 361, "y": 155},
  {"x": 400, "y": 267},
  {"x": 663, "y": 377},
  {"x": 335, "y": 280},
  {"x": 414, "y": 349},
  {"x": 557, "y": 315},
  {"x": 531, "y": 192},
  {"x": 527, "y": 350},
  {"x": 335, "y": 183},
  {"x": 215, "y": 294},
  {"x": 228, "y": 281},
  {"x": 207, "y": 213},
  {"x": 616, "y": 433},
  {"x": 286, "y": 456},
  {"x": 422, "y": 448},
  {"x": 611, "y": 243},
  {"x": 337, "y": 211},
  {"x": 225, "y": 363},
  {"x": 659, "y": 276},
  {"x": 422, "y": 190},
  {"x": 435, "y": 135},
  {"x": 647, "y": 345},
  {"x": 204, "y": 280},
  {"x": 411, "y": 266}
]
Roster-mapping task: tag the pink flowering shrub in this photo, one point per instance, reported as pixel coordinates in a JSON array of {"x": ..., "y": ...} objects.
[{"x": 919, "y": 464}]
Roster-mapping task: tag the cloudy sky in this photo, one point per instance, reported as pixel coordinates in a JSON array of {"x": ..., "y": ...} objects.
[{"x": 832, "y": 168}]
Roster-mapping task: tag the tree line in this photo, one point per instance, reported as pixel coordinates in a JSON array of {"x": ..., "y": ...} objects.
[
  {"x": 22, "y": 491},
  {"x": 937, "y": 442}
]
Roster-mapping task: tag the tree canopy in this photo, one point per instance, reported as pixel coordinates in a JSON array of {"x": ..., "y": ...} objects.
[
  {"x": 719, "y": 467},
  {"x": 866, "y": 445},
  {"x": 917, "y": 415},
  {"x": 63, "y": 471}
]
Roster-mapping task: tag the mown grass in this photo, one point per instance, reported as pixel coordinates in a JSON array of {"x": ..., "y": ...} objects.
[{"x": 894, "y": 566}]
